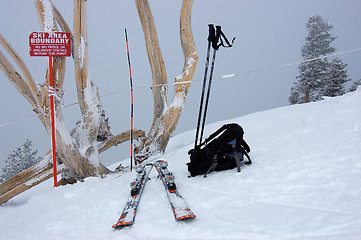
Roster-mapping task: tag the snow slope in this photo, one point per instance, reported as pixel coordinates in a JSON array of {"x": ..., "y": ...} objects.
[{"x": 304, "y": 183}]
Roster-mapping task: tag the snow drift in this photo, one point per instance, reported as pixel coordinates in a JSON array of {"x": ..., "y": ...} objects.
[{"x": 304, "y": 183}]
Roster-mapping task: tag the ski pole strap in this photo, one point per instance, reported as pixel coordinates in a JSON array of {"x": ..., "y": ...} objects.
[
  {"x": 219, "y": 35},
  {"x": 226, "y": 40}
]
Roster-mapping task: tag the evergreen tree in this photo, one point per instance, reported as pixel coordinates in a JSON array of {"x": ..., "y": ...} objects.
[
  {"x": 22, "y": 158},
  {"x": 295, "y": 94},
  {"x": 355, "y": 85},
  {"x": 336, "y": 79},
  {"x": 312, "y": 73}
]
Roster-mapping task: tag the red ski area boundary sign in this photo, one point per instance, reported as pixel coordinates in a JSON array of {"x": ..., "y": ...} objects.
[{"x": 52, "y": 44}]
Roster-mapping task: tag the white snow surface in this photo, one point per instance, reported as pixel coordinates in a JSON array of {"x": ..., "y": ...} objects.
[{"x": 304, "y": 183}]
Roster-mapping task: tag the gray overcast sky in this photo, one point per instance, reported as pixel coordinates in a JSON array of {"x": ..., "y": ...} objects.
[{"x": 268, "y": 33}]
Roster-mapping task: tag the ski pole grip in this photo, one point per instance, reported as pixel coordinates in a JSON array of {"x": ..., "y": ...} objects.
[
  {"x": 218, "y": 33},
  {"x": 211, "y": 32},
  {"x": 216, "y": 38}
]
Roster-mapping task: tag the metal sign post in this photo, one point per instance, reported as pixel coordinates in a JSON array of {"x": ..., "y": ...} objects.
[{"x": 51, "y": 44}]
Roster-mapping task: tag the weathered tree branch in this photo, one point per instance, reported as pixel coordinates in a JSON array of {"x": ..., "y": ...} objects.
[
  {"x": 156, "y": 62},
  {"x": 25, "y": 86},
  {"x": 120, "y": 138},
  {"x": 44, "y": 169},
  {"x": 64, "y": 26},
  {"x": 16, "y": 79},
  {"x": 166, "y": 117}
]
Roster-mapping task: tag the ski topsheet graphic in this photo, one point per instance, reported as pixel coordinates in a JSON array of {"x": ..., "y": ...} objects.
[
  {"x": 180, "y": 208},
  {"x": 128, "y": 215}
]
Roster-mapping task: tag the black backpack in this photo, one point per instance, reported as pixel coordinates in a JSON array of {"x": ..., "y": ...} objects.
[{"x": 222, "y": 150}]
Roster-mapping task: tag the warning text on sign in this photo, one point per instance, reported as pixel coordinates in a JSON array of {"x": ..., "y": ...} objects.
[{"x": 55, "y": 44}]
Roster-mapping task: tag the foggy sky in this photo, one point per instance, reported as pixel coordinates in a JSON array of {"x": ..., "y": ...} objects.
[{"x": 268, "y": 33}]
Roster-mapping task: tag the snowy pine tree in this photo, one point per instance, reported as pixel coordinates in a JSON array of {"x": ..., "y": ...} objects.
[
  {"x": 313, "y": 73},
  {"x": 335, "y": 79},
  {"x": 22, "y": 158},
  {"x": 355, "y": 85},
  {"x": 295, "y": 94}
]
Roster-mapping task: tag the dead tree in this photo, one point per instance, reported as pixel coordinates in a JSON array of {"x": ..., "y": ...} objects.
[
  {"x": 166, "y": 115},
  {"x": 78, "y": 149}
]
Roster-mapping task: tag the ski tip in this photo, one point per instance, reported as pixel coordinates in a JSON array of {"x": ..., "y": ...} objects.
[
  {"x": 184, "y": 217},
  {"x": 121, "y": 224}
]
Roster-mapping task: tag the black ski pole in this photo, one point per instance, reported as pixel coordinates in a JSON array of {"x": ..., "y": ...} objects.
[
  {"x": 211, "y": 34},
  {"x": 215, "y": 47}
]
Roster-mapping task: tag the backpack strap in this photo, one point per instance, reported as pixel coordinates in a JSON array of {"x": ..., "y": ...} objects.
[
  {"x": 213, "y": 135},
  {"x": 249, "y": 158},
  {"x": 236, "y": 157},
  {"x": 244, "y": 144},
  {"x": 244, "y": 149},
  {"x": 213, "y": 166},
  {"x": 218, "y": 132}
]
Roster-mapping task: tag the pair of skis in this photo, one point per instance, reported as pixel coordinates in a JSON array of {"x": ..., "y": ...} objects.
[{"x": 179, "y": 207}]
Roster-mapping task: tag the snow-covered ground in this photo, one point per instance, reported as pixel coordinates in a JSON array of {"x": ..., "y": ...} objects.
[{"x": 304, "y": 183}]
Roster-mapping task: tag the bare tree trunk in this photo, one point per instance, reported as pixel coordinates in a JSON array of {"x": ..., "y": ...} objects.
[
  {"x": 79, "y": 154},
  {"x": 77, "y": 151},
  {"x": 307, "y": 96},
  {"x": 166, "y": 116}
]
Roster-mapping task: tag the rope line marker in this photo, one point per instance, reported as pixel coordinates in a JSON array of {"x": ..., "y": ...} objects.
[{"x": 199, "y": 80}]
